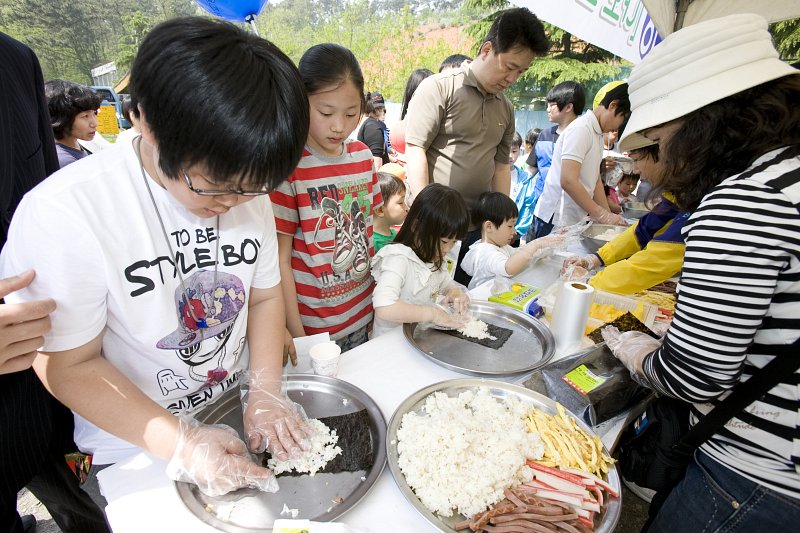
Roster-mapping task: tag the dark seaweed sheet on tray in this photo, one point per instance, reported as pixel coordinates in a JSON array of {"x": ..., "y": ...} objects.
[
  {"x": 501, "y": 335},
  {"x": 616, "y": 393},
  {"x": 626, "y": 322},
  {"x": 355, "y": 440}
]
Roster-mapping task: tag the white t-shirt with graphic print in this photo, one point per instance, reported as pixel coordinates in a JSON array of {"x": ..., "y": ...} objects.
[{"x": 92, "y": 235}]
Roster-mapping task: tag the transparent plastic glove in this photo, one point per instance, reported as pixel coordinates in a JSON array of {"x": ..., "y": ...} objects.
[
  {"x": 589, "y": 262},
  {"x": 544, "y": 247},
  {"x": 572, "y": 234},
  {"x": 271, "y": 420},
  {"x": 457, "y": 300},
  {"x": 574, "y": 273},
  {"x": 574, "y": 230},
  {"x": 216, "y": 460},
  {"x": 607, "y": 217},
  {"x": 630, "y": 347},
  {"x": 441, "y": 318}
]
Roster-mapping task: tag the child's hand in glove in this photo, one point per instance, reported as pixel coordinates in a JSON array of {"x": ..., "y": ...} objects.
[
  {"x": 271, "y": 419},
  {"x": 216, "y": 460}
]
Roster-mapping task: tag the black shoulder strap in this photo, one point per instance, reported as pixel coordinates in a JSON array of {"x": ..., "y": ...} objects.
[{"x": 784, "y": 363}]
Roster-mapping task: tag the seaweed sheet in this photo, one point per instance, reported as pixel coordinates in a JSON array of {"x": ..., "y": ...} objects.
[
  {"x": 355, "y": 440},
  {"x": 501, "y": 335},
  {"x": 626, "y": 322},
  {"x": 614, "y": 390}
]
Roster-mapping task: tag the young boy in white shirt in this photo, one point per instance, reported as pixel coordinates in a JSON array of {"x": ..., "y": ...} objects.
[
  {"x": 496, "y": 215},
  {"x": 163, "y": 262},
  {"x": 573, "y": 187}
]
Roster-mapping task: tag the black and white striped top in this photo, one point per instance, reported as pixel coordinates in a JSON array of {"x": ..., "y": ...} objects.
[{"x": 739, "y": 298}]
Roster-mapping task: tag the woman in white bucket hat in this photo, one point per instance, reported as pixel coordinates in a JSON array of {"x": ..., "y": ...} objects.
[{"x": 723, "y": 110}]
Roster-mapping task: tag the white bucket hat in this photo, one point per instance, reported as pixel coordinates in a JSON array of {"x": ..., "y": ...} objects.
[{"x": 696, "y": 66}]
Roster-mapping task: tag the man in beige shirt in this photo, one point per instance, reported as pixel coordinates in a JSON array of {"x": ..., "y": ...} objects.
[{"x": 460, "y": 124}]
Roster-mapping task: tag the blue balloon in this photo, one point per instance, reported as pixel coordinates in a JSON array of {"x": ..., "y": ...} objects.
[{"x": 235, "y": 10}]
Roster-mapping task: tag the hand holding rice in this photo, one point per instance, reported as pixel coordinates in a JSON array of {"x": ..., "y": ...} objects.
[{"x": 322, "y": 449}]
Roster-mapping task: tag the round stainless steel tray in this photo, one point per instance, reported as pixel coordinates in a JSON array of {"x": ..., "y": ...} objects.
[
  {"x": 311, "y": 497},
  {"x": 500, "y": 390},
  {"x": 530, "y": 346}
]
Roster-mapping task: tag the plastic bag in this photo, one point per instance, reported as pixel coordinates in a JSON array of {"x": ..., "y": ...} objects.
[
  {"x": 592, "y": 384},
  {"x": 614, "y": 167}
]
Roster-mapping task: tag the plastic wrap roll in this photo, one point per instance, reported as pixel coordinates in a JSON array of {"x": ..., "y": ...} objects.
[{"x": 569, "y": 315}]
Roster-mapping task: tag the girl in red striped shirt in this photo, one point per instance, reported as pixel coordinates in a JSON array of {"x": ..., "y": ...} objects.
[{"x": 324, "y": 211}]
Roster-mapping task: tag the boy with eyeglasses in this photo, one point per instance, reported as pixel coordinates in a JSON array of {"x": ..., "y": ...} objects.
[{"x": 160, "y": 253}]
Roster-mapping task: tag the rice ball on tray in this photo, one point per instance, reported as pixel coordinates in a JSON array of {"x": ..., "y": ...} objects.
[{"x": 461, "y": 453}]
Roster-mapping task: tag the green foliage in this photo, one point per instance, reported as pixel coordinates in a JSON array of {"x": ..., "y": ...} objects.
[
  {"x": 570, "y": 59},
  {"x": 390, "y": 38},
  {"x": 136, "y": 26},
  {"x": 786, "y": 35},
  {"x": 70, "y": 38}
]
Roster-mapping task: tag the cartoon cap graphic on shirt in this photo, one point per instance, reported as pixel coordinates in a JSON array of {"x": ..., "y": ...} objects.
[{"x": 203, "y": 310}]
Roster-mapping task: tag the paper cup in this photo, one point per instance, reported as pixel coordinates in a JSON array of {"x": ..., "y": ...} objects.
[{"x": 325, "y": 358}]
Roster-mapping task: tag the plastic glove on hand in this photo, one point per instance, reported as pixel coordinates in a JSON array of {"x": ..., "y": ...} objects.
[
  {"x": 574, "y": 230},
  {"x": 544, "y": 247},
  {"x": 444, "y": 319},
  {"x": 630, "y": 347},
  {"x": 457, "y": 299},
  {"x": 589, "y": 262},
  {"x": 216, "y": 460},
  {"x": 271, "y": 420},
  {"x": 574, "y": 272},
  {"x": 607, "y": 217},
  {"x": 555, "y": 240}
]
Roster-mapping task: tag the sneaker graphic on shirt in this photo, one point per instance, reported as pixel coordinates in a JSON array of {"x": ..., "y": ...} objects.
[
  {"x": 358, "y": 227},
  {"x": 344, "y": 249}
]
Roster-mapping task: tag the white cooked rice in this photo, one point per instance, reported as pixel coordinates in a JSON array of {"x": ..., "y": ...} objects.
[
  {"x": 461, "y": 453},
  {"x": 477, "y": 329},
  {"x": 607, "y": 235},
  {"x": 323, "y": 449}
]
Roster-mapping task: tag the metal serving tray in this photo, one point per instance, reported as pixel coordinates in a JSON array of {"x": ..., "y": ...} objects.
[
  {"x": 500, "y": 390},
  {"x": 530, "y": 346},
  {"x": 312, "y": 497}
]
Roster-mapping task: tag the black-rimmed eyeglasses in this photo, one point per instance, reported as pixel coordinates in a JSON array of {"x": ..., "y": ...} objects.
[{"x": 220, "y": 192}]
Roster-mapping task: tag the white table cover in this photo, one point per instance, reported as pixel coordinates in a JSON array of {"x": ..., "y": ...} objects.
[{"x": 389, "y": 369}]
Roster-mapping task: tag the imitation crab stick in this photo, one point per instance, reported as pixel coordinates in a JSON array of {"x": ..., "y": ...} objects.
[
  {"x": 546, "y": 481},
  {"x": 569, "y": 475},
  {"x": 570, "y": 499},
  {"x": 561, "y": 484},
  {"x": 589, "y": 478}
]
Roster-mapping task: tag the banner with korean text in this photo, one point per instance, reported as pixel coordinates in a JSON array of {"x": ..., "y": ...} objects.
[{"x": 621, "y": 27}]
